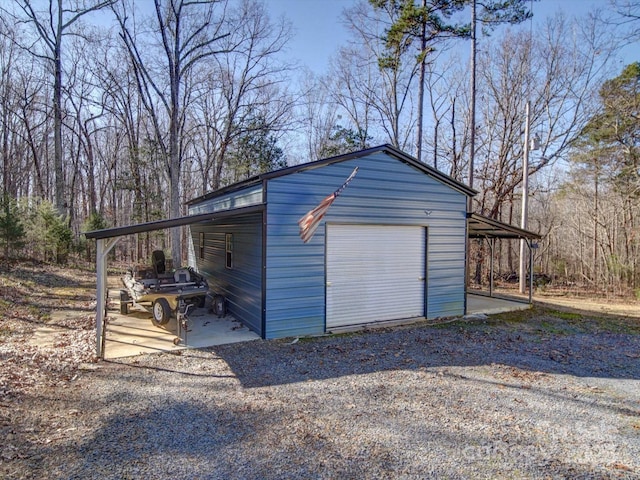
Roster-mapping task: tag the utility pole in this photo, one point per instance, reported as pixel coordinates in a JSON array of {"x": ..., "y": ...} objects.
[
  {"x": 472, "y": 142},
  {"x": 525, "y": 201}
]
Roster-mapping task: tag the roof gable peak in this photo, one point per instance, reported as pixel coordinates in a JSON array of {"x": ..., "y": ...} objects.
[{"x": 384, "y": 148}]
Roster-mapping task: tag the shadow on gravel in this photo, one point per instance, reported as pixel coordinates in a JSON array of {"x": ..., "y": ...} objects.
[
  {"x": 130, "y": 441},
  {"x": 227, "y": 442},
  {"x": 149, "y": 368},
  {"x": 223, "y": 432},
  {"x": 604, "y": 355}
]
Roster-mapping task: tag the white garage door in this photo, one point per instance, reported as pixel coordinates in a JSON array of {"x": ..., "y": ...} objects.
[{"x": 374, "y": 273}]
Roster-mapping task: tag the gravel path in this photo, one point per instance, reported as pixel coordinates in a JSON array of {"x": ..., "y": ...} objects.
[{"x": 463, "y": 400}]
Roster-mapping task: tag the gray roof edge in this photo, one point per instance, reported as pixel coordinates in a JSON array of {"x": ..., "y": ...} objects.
[
  {"x": 170, "y": 223},
  {"x": 250, "y": 182},
  {"x": 387, "y": 148},
  {"x": 447, "y": 179},
  {"x": 516, "y": 232}
]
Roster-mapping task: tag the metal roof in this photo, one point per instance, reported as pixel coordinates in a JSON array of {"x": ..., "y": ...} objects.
[
  {"x": 389, "y": 149},
  {"x": 479, "y": 226},
  {"x": 171, "y": 222}
]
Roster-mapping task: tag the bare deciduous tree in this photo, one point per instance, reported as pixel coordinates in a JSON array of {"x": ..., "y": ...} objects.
[
  {"x": 390, "y": 93},
  {"x": 51, "y": 26},
  {"x": 628, "y": 15},
  {"x": 560, "y": 73},
  {"x": 350, "y": 82},
  {"x": 183, "y": 34},
  {"x": 246, "y": 83}
]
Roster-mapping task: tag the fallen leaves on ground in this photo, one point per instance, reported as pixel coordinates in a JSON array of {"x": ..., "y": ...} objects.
[{"x": 27, "y": 304}]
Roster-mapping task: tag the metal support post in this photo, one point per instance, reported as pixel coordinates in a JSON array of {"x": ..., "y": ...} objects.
[
  {"x": 525, "y": 200},
  {"x": 104, "y": 246}
]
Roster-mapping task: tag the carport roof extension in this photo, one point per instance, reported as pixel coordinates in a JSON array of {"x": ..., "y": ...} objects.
[
  {"x": 170, "y": 223},
  {"x": 480, "y": 226}
]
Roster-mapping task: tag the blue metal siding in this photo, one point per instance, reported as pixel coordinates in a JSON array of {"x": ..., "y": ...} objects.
[
  {"x": 241, "y": 285},
  {"x": 446, "y": 269},
  {"x": 241, "y": 198},
  {"x": 385, "y": 191}
]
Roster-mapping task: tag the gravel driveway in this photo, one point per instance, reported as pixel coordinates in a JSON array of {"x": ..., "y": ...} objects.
[{"x": 541, "y": 398}]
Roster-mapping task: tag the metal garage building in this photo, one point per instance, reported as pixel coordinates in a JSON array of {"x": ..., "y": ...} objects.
[{"x": 391, "y": 247}]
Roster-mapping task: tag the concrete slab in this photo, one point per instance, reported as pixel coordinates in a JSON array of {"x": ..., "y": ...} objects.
[
  {"x": 48, "y": 334},
  {"x": 45, "y": 336},
  {"x": 134, "y": 334},
  {"x": 477, "y": 304}
]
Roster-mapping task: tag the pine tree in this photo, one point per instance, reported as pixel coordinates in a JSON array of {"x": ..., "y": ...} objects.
[
  {"x": 255, "y": 151},
  {"x": 606, "y": 168},
  {"x": 612, "y": 136},
  {"x": 11, "y": 229},
  {"x": 429, "y": 21}
]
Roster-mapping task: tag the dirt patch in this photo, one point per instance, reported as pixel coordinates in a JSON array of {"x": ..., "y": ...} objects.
[{"x": 630, "y": 308}]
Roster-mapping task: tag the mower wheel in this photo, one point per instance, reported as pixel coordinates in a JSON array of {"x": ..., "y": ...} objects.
[{"x": 161, "y": 312}]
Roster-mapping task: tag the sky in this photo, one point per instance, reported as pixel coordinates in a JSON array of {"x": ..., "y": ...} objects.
[{"x": 319, "y": 32}]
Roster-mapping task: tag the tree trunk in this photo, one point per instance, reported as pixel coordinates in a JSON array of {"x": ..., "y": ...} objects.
[
  {"x": 57, "y": 117},
  {"x": 472, "y": 105},
  {"x": 91, "y": 181},
  {"x": 595, "y": 228},
  {"x": 423, "y": 54},
  {"x": 175, "y": 163}
]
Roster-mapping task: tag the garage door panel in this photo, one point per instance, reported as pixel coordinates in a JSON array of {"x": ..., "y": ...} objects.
[{"x": 374, "y": 273}]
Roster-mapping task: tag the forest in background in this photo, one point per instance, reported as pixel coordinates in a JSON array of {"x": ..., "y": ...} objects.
[{"x": 111, "y": 115}]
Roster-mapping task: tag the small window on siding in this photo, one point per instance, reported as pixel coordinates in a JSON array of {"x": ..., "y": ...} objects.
[
  {"x": 201, "y": 244},
  {"x": 228, "y": 241}
]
